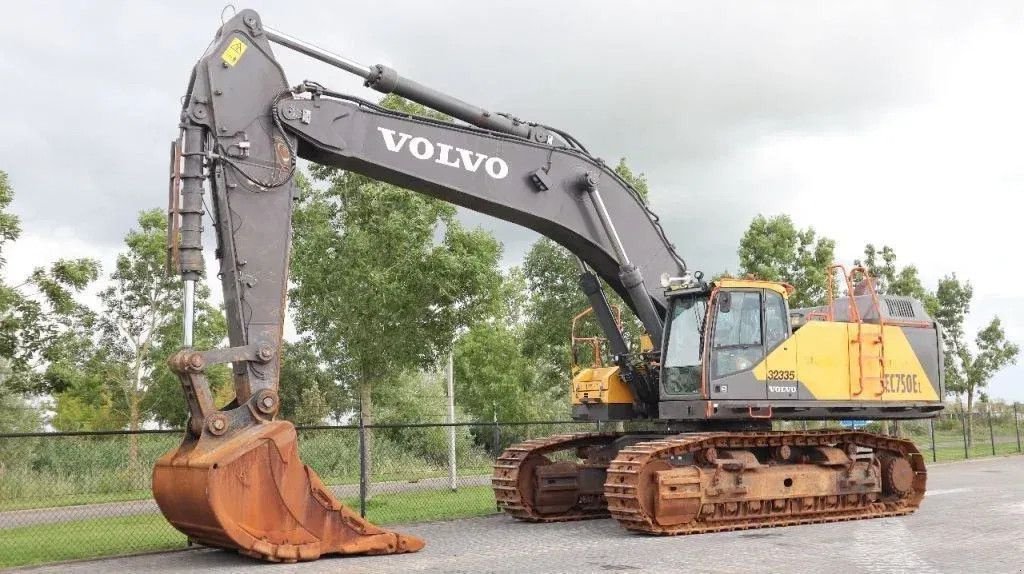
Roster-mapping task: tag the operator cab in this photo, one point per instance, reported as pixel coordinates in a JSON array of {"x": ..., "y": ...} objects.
[{"x": 718, "y": 333}]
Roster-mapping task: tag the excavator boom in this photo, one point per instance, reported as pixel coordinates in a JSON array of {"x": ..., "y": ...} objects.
[
  {"x": 732, "y": 358},
  {"x": 236, "y": 481}
]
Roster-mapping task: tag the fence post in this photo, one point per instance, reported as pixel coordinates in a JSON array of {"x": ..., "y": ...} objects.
[
  {"x": 452, "y": 468},
  {"x": 1016, "y": 426},
  {"x": 935, "y": 455},
  {"x": 363, "y": 478},
  {"x": 963, "y": 427},
  {"x": 496, "y": 433},
  {"x": 598, "y": 422},
  {"x": 991, "y": 433}
]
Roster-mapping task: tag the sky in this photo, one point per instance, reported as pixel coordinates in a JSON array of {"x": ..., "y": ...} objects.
[{"x": 889, "y": 123}]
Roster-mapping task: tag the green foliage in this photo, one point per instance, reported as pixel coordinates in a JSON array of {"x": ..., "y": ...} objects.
[
  {"x": 891, "y": 280},
  {"x": 774, "y": 249},
  {"x": 384, "y": 277},
  {"x": 39, "y": 317},
  {"x": 10, "y": 225},
  {"x": 638, "y": 181},
  {"x": 994, "y": 353},
  {"x": 416, "y": 397},
  {"x": 163, "y": 400},
  {"x": 968, "y": 370},
  {"x": 112, "y": 372},
  {"x": 554, "y": 299},
  {"x": 494, "y": 379},
  {"x": 950, "y": 308},
  {"x": 308, "y": 392}
]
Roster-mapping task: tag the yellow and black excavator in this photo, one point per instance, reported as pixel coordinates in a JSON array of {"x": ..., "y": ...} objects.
[{"x": 719, "y": 361}]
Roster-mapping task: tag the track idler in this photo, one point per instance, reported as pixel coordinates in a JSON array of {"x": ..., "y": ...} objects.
[{"x": 248, "y": 491}]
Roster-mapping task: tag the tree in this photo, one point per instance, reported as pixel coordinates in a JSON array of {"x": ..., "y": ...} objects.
[
  {"x": 968, "y": 370},
  {"x": 555, "y": 297},
  {"x": 889, "y": 279},
  {"x": 494, "y": 376},
  {"x": 375, "y": 289},
  {"x": 38, "y": 316},
  {"x": 774, "y": 249},
  {"x": 638, "y": 181},
  {"x": 164, "y": 400},
  {"x": 952, "y": 304},
  {"x": 308, "y": 392},
  {"x": 139, "y": 325},
  {"x": 495, "y": 379}
]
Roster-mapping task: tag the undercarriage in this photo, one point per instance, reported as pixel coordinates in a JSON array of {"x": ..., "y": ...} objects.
[{"x": 669, "y": 484}]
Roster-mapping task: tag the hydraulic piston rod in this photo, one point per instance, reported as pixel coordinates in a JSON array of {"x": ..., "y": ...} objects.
[
  {"x": 387, "y": 81},
  {"x": 628, "y": 273}
]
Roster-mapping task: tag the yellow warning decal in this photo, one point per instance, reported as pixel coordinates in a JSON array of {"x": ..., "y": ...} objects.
[{"x": 233, "y": 53}]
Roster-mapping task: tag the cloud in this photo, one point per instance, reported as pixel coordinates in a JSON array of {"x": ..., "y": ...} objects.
[{"x": 872, "y": 121}]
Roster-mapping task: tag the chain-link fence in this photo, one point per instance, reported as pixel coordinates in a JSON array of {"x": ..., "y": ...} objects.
[
  {"x": 77, "y": 495},
  {"x": 955, "y": 434},
  {"x": 85, "y": 494}
]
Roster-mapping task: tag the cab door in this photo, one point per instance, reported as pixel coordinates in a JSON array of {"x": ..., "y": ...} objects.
[
  {"x": 736, "y": 345},
  {"x": 779, "y": 372}
]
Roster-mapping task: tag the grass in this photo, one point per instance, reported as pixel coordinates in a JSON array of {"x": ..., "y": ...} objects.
[
  {"x": 87, "y": 539},
  {"x": 99, "y": 537},
  {"x": 425, "y": 506},
  {"x": 75, "y": 500}
]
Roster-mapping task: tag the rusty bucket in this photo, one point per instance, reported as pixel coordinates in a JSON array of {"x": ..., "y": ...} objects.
[{"x": 250, "y": 492}]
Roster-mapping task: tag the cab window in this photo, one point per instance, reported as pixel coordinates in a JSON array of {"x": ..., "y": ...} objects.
[
  {"x": 776, "y": 320},
  {"x": 737, "y": 344},
  {"x": 682, "y": 367}
]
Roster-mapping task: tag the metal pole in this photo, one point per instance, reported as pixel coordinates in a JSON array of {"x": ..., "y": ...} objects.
[
  {"x": 363, "y": 475},
  {"x": 991, "y": 433},
  {"x": 496, "y": 432},
  {"x": 935, "y": 456},
  {"x": 963, "y": 426},
  {"x": 189, "y": 310},
  {"x": 1016, "y": 426},
  {"x": 317, "y": 52},
  {"x": 452, "y": 470}
]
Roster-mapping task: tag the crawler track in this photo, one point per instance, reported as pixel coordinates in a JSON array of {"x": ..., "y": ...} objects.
[
  {"x": 630, "y": 489},
  {"x": 514, "y": 484}
]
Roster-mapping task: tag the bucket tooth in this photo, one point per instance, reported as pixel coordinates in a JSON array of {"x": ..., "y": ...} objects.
[{"x": 250, "y": 492}]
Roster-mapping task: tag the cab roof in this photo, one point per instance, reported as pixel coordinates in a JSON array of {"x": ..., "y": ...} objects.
[{"x": 784, "y": 289}]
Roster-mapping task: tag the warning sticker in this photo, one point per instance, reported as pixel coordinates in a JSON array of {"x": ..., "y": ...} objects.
[{"x": 233, "y": 53}]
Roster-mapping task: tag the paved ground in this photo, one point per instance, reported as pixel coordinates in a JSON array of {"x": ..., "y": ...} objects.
[
  {"x": 16, "y": 518},
  {"x": 972, "y": 521}
]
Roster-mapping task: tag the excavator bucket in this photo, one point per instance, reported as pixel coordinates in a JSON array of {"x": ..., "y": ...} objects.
[{"x": 250, "y": 492}]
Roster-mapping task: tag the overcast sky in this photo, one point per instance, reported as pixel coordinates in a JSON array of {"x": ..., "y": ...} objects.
[{"x": 893, "y": 123}]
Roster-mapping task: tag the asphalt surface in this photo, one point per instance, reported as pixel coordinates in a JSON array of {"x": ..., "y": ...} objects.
[
  {"x": 971, "y": 521},
  {"x": 17, "y": 518}
]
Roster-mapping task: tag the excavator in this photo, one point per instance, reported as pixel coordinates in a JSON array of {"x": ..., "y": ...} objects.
[{"x": 719, "y": 361}]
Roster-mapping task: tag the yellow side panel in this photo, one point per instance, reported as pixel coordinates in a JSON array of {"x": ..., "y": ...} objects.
[
  {"x": 827, "y": 359},
  {"x": 823, "y": 360},
  {"x": 600, "y": 385},
  {"x": 905, "y": 378}
]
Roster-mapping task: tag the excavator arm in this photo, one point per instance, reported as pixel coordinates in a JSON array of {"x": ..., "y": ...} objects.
[{"x": 236, "y": 480}]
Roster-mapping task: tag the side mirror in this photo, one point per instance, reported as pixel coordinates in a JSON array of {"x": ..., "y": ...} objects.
[{"x": 724, "y": 301}]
